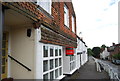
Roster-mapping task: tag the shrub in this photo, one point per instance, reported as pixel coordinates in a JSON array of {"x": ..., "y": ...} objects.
[
  {"x": 116, "y": 56},
  {"x": 96, "y": 52}
]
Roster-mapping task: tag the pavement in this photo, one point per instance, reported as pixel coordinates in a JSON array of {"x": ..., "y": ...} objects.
[{"x": 88, "y": 71}]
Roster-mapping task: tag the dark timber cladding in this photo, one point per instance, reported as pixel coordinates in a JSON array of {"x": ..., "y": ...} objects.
[
  {"x": 49, "y": 36},
  {"x": 1, "y": 25}
]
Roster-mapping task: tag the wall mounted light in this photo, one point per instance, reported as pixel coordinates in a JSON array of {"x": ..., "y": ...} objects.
[{"x": 29, "y": 32}]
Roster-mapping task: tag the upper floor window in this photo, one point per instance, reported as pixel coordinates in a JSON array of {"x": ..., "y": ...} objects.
[
  {"x": 66, "y": 16},
  {"x": 45, "y": 4},
  {"x": 73, "y": 24}
]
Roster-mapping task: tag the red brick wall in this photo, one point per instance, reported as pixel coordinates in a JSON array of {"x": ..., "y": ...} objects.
[
  {"x": 116, "y": 50},
  {"x": 54, "y": 22},
  {"x": 59, "y": 7}
]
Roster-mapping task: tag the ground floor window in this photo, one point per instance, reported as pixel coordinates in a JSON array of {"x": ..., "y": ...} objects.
[
  {"x": 72, "y": 62},
  {"x": 52, "y": 62},
  {"x": 45, "y": 65}
]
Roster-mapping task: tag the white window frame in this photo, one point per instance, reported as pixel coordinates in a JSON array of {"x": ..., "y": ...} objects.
[
  {"x": 73, "y": 24},
  {"x": 73, "y": 62},
  {"x": 53, "y": 57},
  {"x": 66, "y": 16},
  {"x": 45, "y": 4}
]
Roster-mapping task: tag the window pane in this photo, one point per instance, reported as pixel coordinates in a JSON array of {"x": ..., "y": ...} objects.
[
  {"x": 45, "y": 65},
  {"x": 60, "y": 71},
  {"x": 73, "y": 24},
  {"x": 4, "y": 36},
  {"x": 3, "y": 61},
  {"x": 51, "y": 51},
  {"x": 66, "y": 16},
  {"x": 56, "y": 73},
  {"x": 73, "y": 57},
  {"x": 65, "y": 19},
  {"x": 45, "y": 4},
  {"x": 3, "y": 69},
  {"x": 60, "y": 62},
  {"x": 45, "y": 77},
  {"x": 59, "y": 52},
  {"x": 70, "y": 66},
  {"x": 56, "y": 62},
  {"x": 45, "y": 50},
  {"x": 3, "y": 44},
  {"x": 70, "y": 58},
  {"x": 51, "y": 64},
  {"x": 52, "y": 75},
  {"x": 56, "y": 52},
  {"x": 3, "y": 52},
  {"x": 73, "y": 65}
]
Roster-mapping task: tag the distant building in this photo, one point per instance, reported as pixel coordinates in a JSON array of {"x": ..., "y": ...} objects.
[
  {"x": 114, "y": 49},
  {"x": 104, "y": 54},
  {"x": 81, "y": 51}
]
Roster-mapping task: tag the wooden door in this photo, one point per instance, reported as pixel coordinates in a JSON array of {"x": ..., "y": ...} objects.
[{"x": 4, "y": 55}]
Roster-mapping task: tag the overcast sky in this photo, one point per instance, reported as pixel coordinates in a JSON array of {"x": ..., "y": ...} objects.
[{"x": 97, "y": 20}]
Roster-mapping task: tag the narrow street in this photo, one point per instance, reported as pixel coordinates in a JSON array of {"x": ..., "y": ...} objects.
[{"x": 88, "y": 71}]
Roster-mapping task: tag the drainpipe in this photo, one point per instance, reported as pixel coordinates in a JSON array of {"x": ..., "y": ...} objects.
[
  {"x": 0, "y": 40},
  {"x": 1, "y": 33}
]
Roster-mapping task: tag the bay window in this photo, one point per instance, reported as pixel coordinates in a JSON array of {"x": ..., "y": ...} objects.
[{"x": 52, "y": 62}]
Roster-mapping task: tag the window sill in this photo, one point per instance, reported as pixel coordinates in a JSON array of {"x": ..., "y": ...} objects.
[
  {"x": 67, "y": 27},
  {"x": 44, "y": 12},
  {"x": 73, "y": 32},
  {"x": 61, "y": 77}
]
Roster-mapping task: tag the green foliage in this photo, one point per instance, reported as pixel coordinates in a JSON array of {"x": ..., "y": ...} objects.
[
  {"x": 103, "y": 46},
  {"x": 96, "y": 51},
  {"x": 89, "y": 51},
  {"x": 116, "y": 56}
]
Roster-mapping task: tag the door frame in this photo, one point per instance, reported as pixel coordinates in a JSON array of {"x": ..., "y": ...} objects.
[{"x": 6, "y": 57}]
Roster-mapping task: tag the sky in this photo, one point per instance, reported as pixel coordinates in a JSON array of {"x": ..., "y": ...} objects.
[{"x": 97, "y": 20}]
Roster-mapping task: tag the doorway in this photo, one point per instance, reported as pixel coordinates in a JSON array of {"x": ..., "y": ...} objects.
[{"x": 4, "y": 55}]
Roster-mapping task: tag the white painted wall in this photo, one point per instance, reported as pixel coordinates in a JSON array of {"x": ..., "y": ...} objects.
[
  {"x": 78, "y": 61},
  {"x": 84, "y": 57},
  {"x": 9, "y": 53},
  {"x": 78, "y": 49},
  {"x": 22, "y": 49},
  {"x": 66, "y": 61},
  {"x": 39, "y": 56}
]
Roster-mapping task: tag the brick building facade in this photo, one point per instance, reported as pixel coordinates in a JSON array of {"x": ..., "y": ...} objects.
[
  {"x": 32, "y": 32},
  {"x": 41, "y": 34}
]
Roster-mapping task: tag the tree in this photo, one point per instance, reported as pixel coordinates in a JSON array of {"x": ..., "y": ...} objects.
[
  {"x": 96, "y": 52},
  {"x": 89, "y": 51},
  {"x": 103, "y": 46}
]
